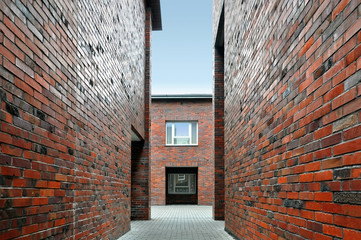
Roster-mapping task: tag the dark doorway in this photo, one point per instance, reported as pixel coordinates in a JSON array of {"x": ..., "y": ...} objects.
[
  {"x": 140, "y": 204},
  {"x": 181, "y": 185}
]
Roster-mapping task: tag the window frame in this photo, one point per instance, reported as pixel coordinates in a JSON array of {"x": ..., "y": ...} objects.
[{"x": 173, "y": 133}]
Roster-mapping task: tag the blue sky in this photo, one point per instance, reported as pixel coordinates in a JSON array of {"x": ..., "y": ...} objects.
[{"x": 182, "y": 51}]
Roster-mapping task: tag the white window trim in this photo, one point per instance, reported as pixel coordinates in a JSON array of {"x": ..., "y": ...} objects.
[{"x": 189, "y": 132}]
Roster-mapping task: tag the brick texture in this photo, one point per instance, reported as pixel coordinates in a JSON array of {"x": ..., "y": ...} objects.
[
  {"x": 72, "y": 87},
  {"x": 218, "y": 109},
  {"x": 292, "y": 121},
  {"x": 200, "y": 156}
]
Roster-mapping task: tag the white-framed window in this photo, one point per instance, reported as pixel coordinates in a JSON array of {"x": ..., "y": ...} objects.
[
  {"x": 181, "y": 183},
  {"x": 182, "y": 133}
]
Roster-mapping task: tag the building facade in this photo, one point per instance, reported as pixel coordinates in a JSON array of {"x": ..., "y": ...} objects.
[
  {"x": 182, "y": 154},
  {"x": 287, "y": 79},
  {"x": 74, "y": 117}
]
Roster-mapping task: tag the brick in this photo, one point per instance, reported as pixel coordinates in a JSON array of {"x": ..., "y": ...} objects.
[
  {"x": 352, "y": 159},
  {"x": 324, "y": 175},
  {"x": 29, "y": 229},
  {"x": 40, "y": 201},
  {"x": 5, "y": 138},
  {"x": 331, "y": 163},
  {"x": 52, "y": 184},
  {"x": 319, "y": 236},
  {"x": 344, "y": 50},
  {"x": 332, "y": 116},
  {"x": 9, "y": 234},
  {"x": 323, "y": 110},
  {"x": 323, "y": 153},
  {"x": 59, "y": 222},
  {"x": 46, "y": 192},
  {"x": 323, "y": 196},
  {"x": 314, "y": 226},
  {"x": 331, "y": 207},
  {"x": 10, "y": 171},
  {"x": 22, "y": 202},
  {"x": 347, "y": 147},
  {"x": 10, "y": 150},
  {"x": 32, "y": 174},
  {"x": 348, "y": 222},
  {"x": 344, "y": 74},
  {"x": 344, "y": 122},
  {"x": 347, "y": 197},
  {"x": 339, "y": 8},
  {"x": 331, "y": 140},
  {"x": 19, "y": 182},
  {"x": 344, "y": 98},
  {"x": 352, "y": 106},
  {"x": 350, "y": 234},
  {"x": 307, "y": 45},
  {"x": 14, "y": 29},
  {"x": 314, "y": 166},
  {"x": 322, "y": 132},
  {"x": 332, "y": 230},
  {"x": 351, "y": 210},
  {"x": 338, "y": 90},
  {"x": 307, "y": 177}
]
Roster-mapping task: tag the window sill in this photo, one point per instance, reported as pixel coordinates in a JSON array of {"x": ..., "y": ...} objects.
[{"x": 181, "y": 145}]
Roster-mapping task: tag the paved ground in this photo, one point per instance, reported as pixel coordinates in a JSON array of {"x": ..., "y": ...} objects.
[{"x": 178, "y": 222}]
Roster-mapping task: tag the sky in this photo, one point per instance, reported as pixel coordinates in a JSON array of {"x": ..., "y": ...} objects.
[{"x": 182, "y": 57}]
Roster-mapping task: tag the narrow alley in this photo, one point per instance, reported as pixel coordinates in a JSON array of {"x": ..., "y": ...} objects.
[{"x": 175, "y": 222}]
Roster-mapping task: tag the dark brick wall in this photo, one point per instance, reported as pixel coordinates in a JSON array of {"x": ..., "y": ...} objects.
[
  {"x": 292, "y": 118},
  {"x": 200, "y": 156},
  {"x": 72, "y": 85},
  {"x": 218, "y": 109}
]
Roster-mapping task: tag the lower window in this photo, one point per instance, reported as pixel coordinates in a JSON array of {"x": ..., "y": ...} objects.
[{"x": 181, "y": 183}]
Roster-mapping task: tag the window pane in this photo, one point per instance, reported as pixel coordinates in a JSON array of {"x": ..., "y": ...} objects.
[
  {"x": 181, "y": 129},
  {"x": 182, "y": 183},
  {"x": 169, "y": 133},
  {"x": 192, "y": 183},
  {"x": 194, "y": 133},
  {"x": 181, "y": 141},
  {"x": 170, "y": 183}
]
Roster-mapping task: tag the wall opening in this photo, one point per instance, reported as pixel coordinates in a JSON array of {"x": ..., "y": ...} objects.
[{"x": 181, "y": 185}]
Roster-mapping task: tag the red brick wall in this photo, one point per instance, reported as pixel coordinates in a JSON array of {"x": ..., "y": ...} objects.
[
  {"x": 200, "y": 156},
  {"x": 292, "y": 118},
  {"x": 71, "y": 86},
  {"x": 140, "y": 169}
]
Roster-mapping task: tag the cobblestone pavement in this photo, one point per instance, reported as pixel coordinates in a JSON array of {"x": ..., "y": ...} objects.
[{"x": 178, "y": 222}]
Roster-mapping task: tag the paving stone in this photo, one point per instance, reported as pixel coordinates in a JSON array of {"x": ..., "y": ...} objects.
[{"x": 178, "y": 222}]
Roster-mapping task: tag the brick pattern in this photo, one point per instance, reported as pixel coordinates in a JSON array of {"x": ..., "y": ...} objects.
[
  {"x": 71, "y": 87},
  {"x": 165, "y": 156},
  {"x": 140, "y": 172},
  {"x": 218, "y": 109},
  {"x": 292, "y": 118}
]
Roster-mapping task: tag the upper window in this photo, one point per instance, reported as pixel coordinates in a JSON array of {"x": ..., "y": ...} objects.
[{"x": 182, "y": 133}]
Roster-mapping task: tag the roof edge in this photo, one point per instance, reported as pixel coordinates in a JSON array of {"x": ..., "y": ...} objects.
[
  {"x": 156, "y": 14},
  {"x": 182, "y": 96}
]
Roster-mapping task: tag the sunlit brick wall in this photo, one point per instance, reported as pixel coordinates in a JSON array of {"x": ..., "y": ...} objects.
[
  {"x": 71, "y": 86},
  {"x": 292, "y": 119}
]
